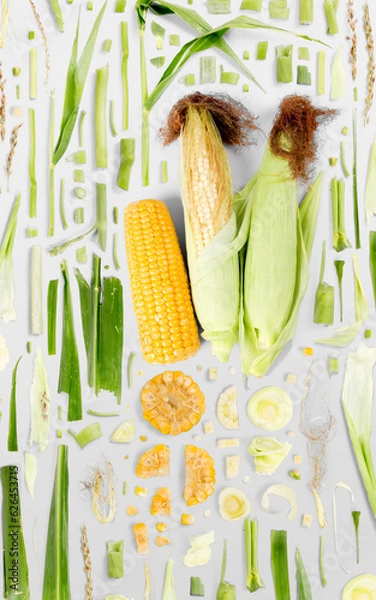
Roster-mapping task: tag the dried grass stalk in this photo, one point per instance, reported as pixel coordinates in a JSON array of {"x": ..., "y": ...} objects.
[
  {"x": 353, "y": 55},
  {"x": 44, "y": 40},
  {"x": 13, "y": 145},
  {"x": 371, "y": 66},
  {"x": 87, "y": 564}
]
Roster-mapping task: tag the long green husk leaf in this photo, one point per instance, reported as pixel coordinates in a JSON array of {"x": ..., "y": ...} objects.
[
  {"x": 169, "y": 584},
  {"x": 7, "y": 308},
  {"x": 304, "y": 587},
  {"x": 56, "y": 582},
  {"x": 13, "y": 432},
  {"x": 74, "y": 86},
  {"x": 357, "y": 403},
  {"x": 370, "y": 194},
  {"x": 280, "y": 567},
  {"x": 16, "y": 570},
  {"x": 40, "y": 404},
  {"x": 69, "y": 377},
  {"x": 57, "y": 14}
]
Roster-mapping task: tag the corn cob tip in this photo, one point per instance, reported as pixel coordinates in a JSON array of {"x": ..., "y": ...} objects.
[
  {"x": 293, "y": 134},
  {"x": 233, "y": 120}
]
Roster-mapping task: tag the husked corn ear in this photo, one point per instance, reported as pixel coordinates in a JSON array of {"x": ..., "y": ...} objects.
[{"x": 160, "y": 288}]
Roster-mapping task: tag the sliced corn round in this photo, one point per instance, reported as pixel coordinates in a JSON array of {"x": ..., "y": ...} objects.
[{"x": 270, "y": 408}]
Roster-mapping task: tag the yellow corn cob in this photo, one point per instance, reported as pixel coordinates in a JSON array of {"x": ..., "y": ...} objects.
[{"x": 160, "y": 288}]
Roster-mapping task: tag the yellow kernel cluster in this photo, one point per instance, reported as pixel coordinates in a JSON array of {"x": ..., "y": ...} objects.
[{"x": 160, "y": 288}]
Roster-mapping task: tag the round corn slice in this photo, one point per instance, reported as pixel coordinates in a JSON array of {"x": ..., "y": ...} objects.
[
  {"x": 172, "y": 402},
  {"x": 199, "y": 475},
  {"x": 154, "y": 463},
  {"x": 270, "y": 408},
  {"x": 161, "y": 503},
  {"x": 233, "y": 504},
  {"x": 227, "y": 408}
]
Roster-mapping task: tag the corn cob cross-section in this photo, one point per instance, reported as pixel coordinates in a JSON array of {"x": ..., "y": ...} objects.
[{"x": 160, "y": 288}]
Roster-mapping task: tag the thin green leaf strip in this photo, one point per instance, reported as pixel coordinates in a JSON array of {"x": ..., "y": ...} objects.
[
  {"x": 56, "y": 581},
  {"x": 69, "y": 377},
  {"x": 100, "y": 118},
  {"x": 280, "y": 567},
  {"x": 53, "y": 287},
  {"x": 7, "y": 308},
  {"x": 127, "y": 158},
  {"x": 16, "y": 570},
  {"x": 57, "y": 14},
  {"x": 12, "y": 431},
  {"x": 304, "y": 587}
]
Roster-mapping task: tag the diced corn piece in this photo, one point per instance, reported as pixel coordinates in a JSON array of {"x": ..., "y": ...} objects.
[
  {"x": 208, "y": 427},
  {"x": 160, "y": 540},
  {"x": 228, "y": 443},
  {"x": 291, "y": 378},
  {"x": 213, "y": 374},
  {"x": 307, "y": 520},
  {"x": 140, "y": 532},
  {"x": 297, "y": 459},
  {"x": 161, "y": 527},
  {"x": 232, "y": 466},
  {"x": 132, "y": 511},
  {"x": 187, "y": 519},
  {"x": 307, "y": 351},
  {"x": 140, "y": 491}
]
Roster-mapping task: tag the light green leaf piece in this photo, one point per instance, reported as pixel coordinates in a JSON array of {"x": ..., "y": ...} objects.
[
  {"x": 282, "y": 491},
  {"x": 115, "y": 559},
  {"x": 7, "y": 308},
  {"x": 31, "y": 466},
  {"x": 169, "y": 584},
  {"x": 124, "y": 434},
  {"x": 40, "y": 403},
  {"x": 56, "y": 8},
  {"x": 357, "y": 403},
  {"x": 304, "y": 586},
  {"x": 200, "y": 552},
  {"x": 370, "y": 195},
  {"x": 74, "y": 86},
  {"x": 89, "y": 434},
  {"x": 268, "y": 453},
  {"x": 338, "y": 76}
]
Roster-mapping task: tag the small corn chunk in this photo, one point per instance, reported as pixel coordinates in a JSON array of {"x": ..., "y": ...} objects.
[
  {"x": 160, "y": 540},
  {"x": 140, "y": 491},
  {"x": 297, "y": 459},
  {"x": 232, "y": 466},
  {"x": 228, "y": 443},
  {"x": 291, "y": 378},
  {"x": 140, "y": 532},
  {"x": 213, "y": 374},
  {"x": 187, "y": 519},
  {"x": 161, "y": 503},
  {"x": 161, "y": 527},
  {"x": 208, "y": 427},
  {"x": 295, "y": 474},
  {"x": 307, "y": 351},
  {"x": 160, "y": 287},
  {"x": 307, "y": 520},
  {"x": 132, "y": 511}
]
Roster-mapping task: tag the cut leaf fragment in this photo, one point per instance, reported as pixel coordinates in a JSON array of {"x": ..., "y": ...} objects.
[
  {"x": 200, "y": 552},
  {"x": 284, "y": 491},
  {"x": 268, "y": 453},
  {"x": 124, "y": 434}
]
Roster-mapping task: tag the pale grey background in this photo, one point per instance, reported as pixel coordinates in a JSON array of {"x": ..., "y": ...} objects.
[{"x": 341, "y": 465}]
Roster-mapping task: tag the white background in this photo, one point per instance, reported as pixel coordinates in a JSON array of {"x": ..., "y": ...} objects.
[{"x": 341, "y": 464}]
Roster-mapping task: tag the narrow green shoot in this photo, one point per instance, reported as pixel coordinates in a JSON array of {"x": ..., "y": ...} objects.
[
  {"x": 12, "y": 532},
  {"x": 62, "y": 204},
  {"x": 90, "y": 433},
  {"x": 253, "y": 578},
  {"x": 321, "y": 72},
  {"x": 101, "y": 207},
  {"x": 304, "y": 587},
  {"x": 7, "y": 307},
  {"x": 356, "y": 519},
  {"x": 51, "y": 169},
  {"x": 321, "y": 561},
  {"x": 95, "y": 413},
  {"x": 36, "y": 296},
  {"x": 225, "y": 591},
  {"x": 75, "y": 83},
  {"x": 164, "y": 171},
  {"x": 56, "y": 580},
  {"x": 81, "y": 128},
  {"x": 124, "y": 73},
  {"x": 284, "y": 63},
  {"x": 145, "y": 141},
  {"x": 305, "y": 12},
  {"x": 115, "y": 251},
  {"x": 340, "y": 239},
  {"x": 33, "y": 66},
  {"x": 339, "y": 266},
  {"x": 343, "y": 160},
  {"x": 58, "y": 15},
  {"x": 372, "y": 261},
  {"x": 280, "y": 567},
  {"x": 12, "y": 431},
  {"x": 129, "y": 369},
  {"x": 127, "y": 158},
  {"x": 93, "y": 376},
  {"x": 52, "y": 294},
  {"x": 69, "y": 376},
  {"x": 100, "y": 118},
  {"x": 112, "y": 118},
  {"x": 32, "y": 175},
  {"x": 355, "y": 178}
]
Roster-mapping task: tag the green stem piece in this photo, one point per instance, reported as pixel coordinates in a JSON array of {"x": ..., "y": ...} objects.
[
  {"x": 280, "y": 567},
  {"x": 81, "y": 128},
  {"x": 124, "y": 72},
  {"x": 129, "y": 369},
  {"x": 33, "y": 73},
  {"x": 127, "y": 158},
  {"x": 112, "y": 118},
  {"x": 356, "y": 518},
  {"x": 51, "y": 169},
  {"x": 100, "y": 120},
  {"x": 53, "y": 287},
  {"x": 62, "y": 204},
  {"x": 32, "y": 176},
  {"x": 321, "y": 561},
  {"x": 253, "y": 579},
  {"x": 355, "y": 178},
  {"x": 12, "y": 433}
]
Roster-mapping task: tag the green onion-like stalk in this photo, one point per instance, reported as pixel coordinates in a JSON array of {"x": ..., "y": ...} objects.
[
  {"x": 305, "y": 12},
  {"x": 284, "y": 63},
  {"x": 124, "y": 72},
  {"x": 100, "y": 120},
  {"x": 32, "y": 175},
  {"x": 339, "y": 266},
  {"x": 7, "y": 307},
  {"x": 253, "y": 578},
  {"x": 340, "y": 239},
  {"x": 324, "y": 299},
  {"x": 372, "y": 260},
  {"x": 127, "y": 157},
  {"x": 321, "y": 561},
  {"x": 33, "y": 66},
  {"x": 226, "y": 591},
  {"x": 115, "y": 559},
  {"x": 62, "y": 204},
  {"x": 356, "y": 519},
  {"x": 355, "y": 178}
]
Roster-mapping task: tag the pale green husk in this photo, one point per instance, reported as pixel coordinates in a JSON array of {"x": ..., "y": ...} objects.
[
  {"x": 7, "y": 308},
  {"x": 40, "y": 404},
  {"x": 270, "y": 408},
  {"x": 199, "y": 552},
  {"x": 268, "y": 453},
  {"x": 169, "y": 584},
  {"x": 357, "y": 402},
  {"x": 283, "y": 491},
  {"x": 31, "y": 466},
  {"x": 362, "y": 586},
  {"x": 370, "y": 194}
]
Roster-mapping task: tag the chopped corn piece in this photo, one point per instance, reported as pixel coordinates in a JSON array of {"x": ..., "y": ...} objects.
[
  {"x": 208, "y": 427},
  {"x": 228, "y": 443},
  {"x": 199, "y": 367},
  {"x": 17, "y": 112},
  {"x": 232, "y": 466},
  {"x": 143, "y": 438},
  {"x": 207, "y": 513},
  {"x": 308, "y": 351},
  {"x": 161, "y": 527},
  {"x": 187, "y": 519},
  {"x": 139, "y": 373},
  {"x": 196, "y": 438},
  {"x": 213, "y": 374},
  {"x": 297, "y": 459},
  {"x": 295, "y": 474},
  {"x": 132, "y": 511},
  {"x": 161, "y": 502},
  {"x": 140, "y": 491},
  {"x": 246, "y": 478},
  {"x": 140, "y": 532},
  {"x": 291, "y": 378},
  {"x": 160, "y": 540},
  {"x": 307, "y": 520},
  {"x": 290, "y": 433},
  {"x": 232, "y": 370}
]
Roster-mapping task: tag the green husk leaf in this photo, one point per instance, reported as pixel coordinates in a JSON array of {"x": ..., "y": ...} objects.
[
  {"x": 159, "y": 33},
  {"x": 304, "y": 587},
  {"x": 40, "y": 404},
  {"x": 372, "y": 260},
  {"x": 127, "y": 158},
  {"x": 115, "y": 559},
  {"x": 88, "y": 434},
  {"x": 253, "y": 578},
  {"x": 196, "y": 587},
  {"x": 74, "y": 87},
  {"x": 226, "y": 591},
  {"x": 324, "y": 299},
  {"x": 338, "y": 78},
  {"x": 12, "y": 431},
  {"x": 111, "y": 336},
  {"x": 7, "y": 308},
  {"x": 370, "y": 194},
  {"x": 56, "y": 580},
  {"x": 12, "y": 531},
  {"x": 280, "y": 567},
  {"x": 357, "y": 403},
  {"x": 268, "y": 453},
  {"x": 31, "y": 466},
  {"x": 57, "y": 14},
  {"x": 169, "y": 584},
  {"x": 69, "y": 376}
]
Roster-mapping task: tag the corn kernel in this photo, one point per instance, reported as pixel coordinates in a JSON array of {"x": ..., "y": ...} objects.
[
  {"x": 160, "y": 540},
  {"x": 161, "y": 527},
  {"x": 291, "y": 378},
  {"x": 208, "y": 427},
  {"x": 307, "y": 351},
  {"x": 132, "y": 511},
  {"x": 297, "y": 459},
  {"x": 307, "y": 520},
  {"x": 187, "y": 519},
  {"x": 140, "y": 491}
]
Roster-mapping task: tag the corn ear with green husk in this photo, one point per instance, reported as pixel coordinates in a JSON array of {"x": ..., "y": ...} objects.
[
  {"x": 280, "y": 235},
  {"x": 213, "y": 236}
]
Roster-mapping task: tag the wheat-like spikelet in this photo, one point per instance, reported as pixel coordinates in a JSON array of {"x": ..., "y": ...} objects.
[
  {"x": 371, "y": 66},
  {"x": 353, "y": 56},
  {"x": 44, "y": 40},
  {"x": 87, "y": 563},
  {"x": 3, "y": 104},
  {"x": 13, "y": 144}
]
